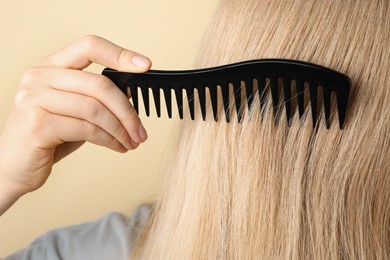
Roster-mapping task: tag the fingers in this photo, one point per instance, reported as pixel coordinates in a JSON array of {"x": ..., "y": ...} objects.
[
  {"x": 62, "y": 89},
  {"x": 74, "y": 130},
  {"x": 85, "y": 108},
  {"x": 89, "y": 86},
  {"x": 88, "y": 49},
  {"x": 45, "y": 130},
  {"x": 58, "y": 107}
]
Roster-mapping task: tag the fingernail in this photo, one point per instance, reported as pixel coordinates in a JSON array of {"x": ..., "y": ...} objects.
[
  {"x": 142, "y": 133},
  {"x": 140, "y": 61}
]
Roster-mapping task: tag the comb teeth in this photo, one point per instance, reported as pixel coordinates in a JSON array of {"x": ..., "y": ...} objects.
[
  {"x": 271, "y": 74},
  {"x": 214, "y": 101}
]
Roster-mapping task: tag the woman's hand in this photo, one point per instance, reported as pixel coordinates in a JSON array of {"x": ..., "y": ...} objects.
[{"x": 58, "y": 107}]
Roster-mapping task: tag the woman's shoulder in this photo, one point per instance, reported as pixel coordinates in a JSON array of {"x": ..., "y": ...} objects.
[
  {"x": 109, "y": 237},
  {"x": 138, "y": 220}
]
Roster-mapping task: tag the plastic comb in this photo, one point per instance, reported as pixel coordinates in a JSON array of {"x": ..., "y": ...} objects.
[{"x": 269, "y": 73}]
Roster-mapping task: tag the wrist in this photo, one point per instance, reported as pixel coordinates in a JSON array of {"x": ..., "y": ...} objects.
[
  {"x": 8, "y": 196},
  {"x": 9, "y": 193}
]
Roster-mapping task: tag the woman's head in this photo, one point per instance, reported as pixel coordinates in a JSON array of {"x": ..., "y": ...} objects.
[{"x": 260, "y": 190}]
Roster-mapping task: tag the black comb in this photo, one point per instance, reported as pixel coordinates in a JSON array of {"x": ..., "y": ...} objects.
[{"x": 239, "y": 74}]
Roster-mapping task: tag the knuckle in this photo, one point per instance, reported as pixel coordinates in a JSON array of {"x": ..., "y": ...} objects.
[
  {"x": 102, "y": 82},
  {"x": 132, "y": 115},
  {"x": 89, "y": 41},
  {"x": 123, "y": 57},
  {"x": 33, "y": 116},
  {"x": 90, "y": 130},
  {"x": 132, "y": 119},
  {"x": 91, "y": 108},
  {"x": 28, "y": 77},
  {"x": 23, "y": 98},
  {"x": 122, "y": 132}
]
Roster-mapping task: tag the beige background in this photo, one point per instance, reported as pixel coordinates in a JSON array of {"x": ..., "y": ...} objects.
[{"x": 94, "y": 180}]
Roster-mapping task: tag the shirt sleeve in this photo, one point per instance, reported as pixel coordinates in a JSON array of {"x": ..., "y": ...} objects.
[{"x": 109, "y": 237}]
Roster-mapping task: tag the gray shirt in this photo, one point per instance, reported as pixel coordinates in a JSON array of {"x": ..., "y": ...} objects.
[{"x": 110, "y": 237}]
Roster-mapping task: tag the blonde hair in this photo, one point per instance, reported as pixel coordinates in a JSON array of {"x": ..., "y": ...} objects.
[{"x": 260, "y": 191}]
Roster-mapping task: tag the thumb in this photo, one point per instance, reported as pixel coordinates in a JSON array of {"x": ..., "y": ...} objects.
[{"x": 94, "y": 49}]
